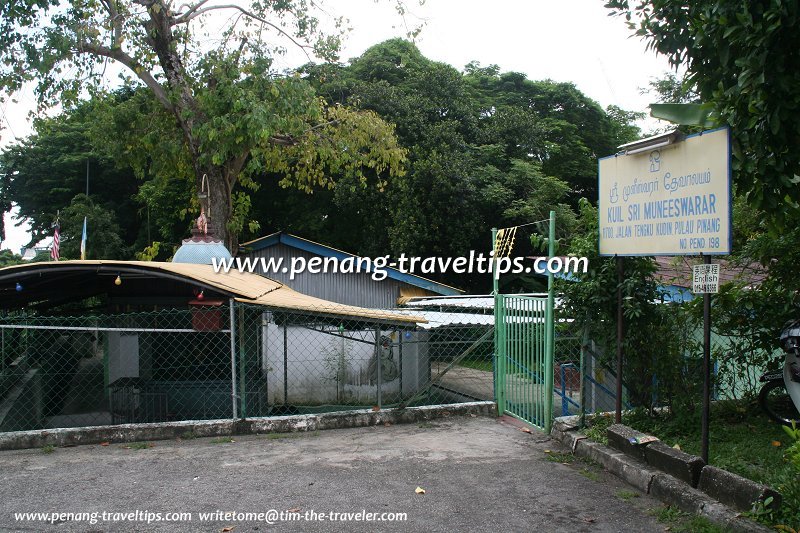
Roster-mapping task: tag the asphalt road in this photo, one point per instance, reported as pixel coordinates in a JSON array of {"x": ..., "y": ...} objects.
[{"x": 479, "y": 474}]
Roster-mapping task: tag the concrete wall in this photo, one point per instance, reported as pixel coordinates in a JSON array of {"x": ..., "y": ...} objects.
[{"x": 323, "y": 368}]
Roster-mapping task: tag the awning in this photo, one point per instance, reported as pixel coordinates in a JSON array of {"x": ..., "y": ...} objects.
[{"x": 21, "y": 285}]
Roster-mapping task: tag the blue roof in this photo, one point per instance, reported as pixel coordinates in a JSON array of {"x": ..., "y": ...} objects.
[{"x": 327, "y": 251}]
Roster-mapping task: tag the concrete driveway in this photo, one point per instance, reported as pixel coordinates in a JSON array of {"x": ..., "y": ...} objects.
[{"x": 479, "y": 474}]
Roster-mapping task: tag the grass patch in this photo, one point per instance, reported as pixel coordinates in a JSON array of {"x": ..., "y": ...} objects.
[
  {"x": 189, "y": 435},
  {"x": 559, "y": 457},
  {"x": 222, "y": 440},
  {"x": 425, "y": 425},
  {"x": 627, "y": 495},
  {"x": 741, "y": 440},
  {"x": 681, "y": 522},
  {"x": 477, "y": 364},
  {"x": 590, "y": 474},
  {"x": 596, "y": 428},
  {"x": 48, "y": 448}
]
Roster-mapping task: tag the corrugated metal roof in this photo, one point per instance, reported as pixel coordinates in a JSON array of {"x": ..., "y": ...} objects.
[
  {"x": 244, "y": 287},
  {"x": 485, "y": 303},
  {"x": 328, "y": 251},
  {"x": 441, "y": 319}
]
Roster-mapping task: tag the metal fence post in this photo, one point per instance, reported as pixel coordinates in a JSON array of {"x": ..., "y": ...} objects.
[
  {"x": 285, "y": 365},
  {"x": 499, "y": 329},
  {"x": 242, "y": 364},
  {"x": 500, "y": 352},
  {"x": 584, "y": 354},
  {"x": 379, "y": 366},
  {"x": 233, "y": 359},
  {"x": 550, "y": 331}
]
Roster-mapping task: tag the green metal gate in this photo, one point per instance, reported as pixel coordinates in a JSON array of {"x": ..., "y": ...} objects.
[
  {"x": 524, "y": 347},
  {"x": 524, "y": 370}
]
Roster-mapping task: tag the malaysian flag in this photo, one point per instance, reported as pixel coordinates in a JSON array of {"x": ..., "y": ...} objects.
[{"x": 54, "y": 250}]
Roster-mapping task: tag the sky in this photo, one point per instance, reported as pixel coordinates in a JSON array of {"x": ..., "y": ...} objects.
[{"x": 563, "y": 40}]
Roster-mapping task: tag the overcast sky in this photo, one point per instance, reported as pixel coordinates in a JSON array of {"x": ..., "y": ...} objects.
[{"x": 563, "y": 40}]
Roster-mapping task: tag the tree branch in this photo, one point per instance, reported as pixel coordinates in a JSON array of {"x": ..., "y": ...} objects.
[
  {"x": 116, "y": 22},
  {"x": 118, "y": 55},
  {"x": 191, "y": 10},
  {"x": 235, "y": 168},
  {"x": 194, "y": 12}
]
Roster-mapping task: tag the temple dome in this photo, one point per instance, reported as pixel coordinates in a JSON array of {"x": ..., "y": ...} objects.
[{"x": 199, "y": 249}]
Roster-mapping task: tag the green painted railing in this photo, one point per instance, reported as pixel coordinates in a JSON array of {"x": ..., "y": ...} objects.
[
  {"x": 524, "y": 364},
  {"x": 524, "y": 351}
]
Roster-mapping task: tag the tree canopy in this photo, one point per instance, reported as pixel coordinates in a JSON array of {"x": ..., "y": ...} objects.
[
  {"x": 233, "y": 114},
  {"x": 483, "y": 148},
  {"x": 741, "y": 58}
]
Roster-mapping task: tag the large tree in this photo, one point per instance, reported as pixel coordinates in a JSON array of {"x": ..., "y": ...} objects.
[
  {"x": 235, "y": 116},
  {"x": 43, "y": 173},
  {"x": 484, "y": 149},
  {"x": 742, "y": 58}
]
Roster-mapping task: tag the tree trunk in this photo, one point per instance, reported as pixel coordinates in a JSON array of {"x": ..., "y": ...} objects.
[{"x": 219, "y": 205}]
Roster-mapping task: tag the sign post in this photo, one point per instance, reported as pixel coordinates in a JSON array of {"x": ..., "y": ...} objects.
[
  {"x": 668, "y": 196},
  {"x": 620, "y": 338}
]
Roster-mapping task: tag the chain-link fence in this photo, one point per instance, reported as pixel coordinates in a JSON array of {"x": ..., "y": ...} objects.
[
  {"x": 242, "y": 361},
  {"x": 585, "y": 380}
]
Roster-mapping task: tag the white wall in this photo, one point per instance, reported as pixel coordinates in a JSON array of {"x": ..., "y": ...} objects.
[
  {"x": 123, "y": 355},
  {"x": 323, "y": 368}
]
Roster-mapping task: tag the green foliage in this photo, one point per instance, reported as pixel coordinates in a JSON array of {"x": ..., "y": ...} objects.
[
  {"x": 739, "y": 58},
  {"x": 793, "y": 451},
  {"x": 658, "y": 336},
  {"x": 103, "y": 232},
  {"x": 682, "y": 522},
  {"x": 484, "y": 148},
  {"x": 8, "y": 258},
  {"x": 751, "y": 319},
  {"x": 789, "y": 482},
  {"x": 742, "y": 441},
  {"x": 150, "y": 253},
  {"x": 596, "y": 427},
  {"x": 671, "y": 88},
  {"x": 378, "y": 156},
  {"x": 220, "y": 116},
  {"x": 42, "y": 174}
]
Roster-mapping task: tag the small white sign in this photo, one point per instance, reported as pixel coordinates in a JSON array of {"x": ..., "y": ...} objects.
[{"x": 705, "y": 279}]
